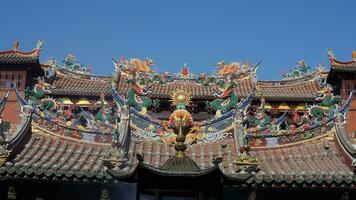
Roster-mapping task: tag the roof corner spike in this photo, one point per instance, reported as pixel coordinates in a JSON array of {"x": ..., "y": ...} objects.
[
  {"x": 255, "y": 66},
  {"x": 113, "y": 60},
  {"x": 3, "y": 102},
  {"x": 345, "y": 107},
  {"x": 331, "y": 54},
  {"x": 39, "y": 44},
  {"x": 16, "y": 45}
]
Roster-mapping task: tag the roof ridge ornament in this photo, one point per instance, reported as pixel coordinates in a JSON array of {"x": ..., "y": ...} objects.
[
  {"x": 300, "y": 70},
  {"x": 331, "y": 54},
  {"x": 16, "y": 45},
  {"x": 180, "y": 163},
  {"x": 116, "y": 157},
  {"x": 245, "y": 161},
  {"x": 4, "y": 152},
  {"x": 39, "y": 46},
  {"x": 70, "y": 63}
]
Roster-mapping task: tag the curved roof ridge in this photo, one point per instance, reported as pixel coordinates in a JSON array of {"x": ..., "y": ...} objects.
[
  {"x": 294, "y": 143},
  {"x": 335, "y": 61},
  {"x": 34, "y": 125},
  {"x": 28, "y": 53},
  {"x": 23, "y": 128},
  {"x": 345, "y": 142},
  {"x": 67, "y": 73},
  {"x": 3, "y": 101},
  {"x": 300, "y": 80}
]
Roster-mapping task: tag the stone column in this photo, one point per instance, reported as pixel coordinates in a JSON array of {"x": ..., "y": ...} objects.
[
  {"x": 252, "y": 195},
  {"x": 104, "y": 193},
  {"x": 124, "y": 126},
  {"x": 345, "y": 196},
  {"x": 11, "y": 193},
  {"x": 239, "y": 133}
]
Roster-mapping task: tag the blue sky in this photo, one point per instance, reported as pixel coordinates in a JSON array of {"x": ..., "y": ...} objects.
[{"x": 198, "y": 33}]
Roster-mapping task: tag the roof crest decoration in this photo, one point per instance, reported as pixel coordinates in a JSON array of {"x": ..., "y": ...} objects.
[
  {"x": 311, "y": 122},
  {"x": 72, "y": 64}
]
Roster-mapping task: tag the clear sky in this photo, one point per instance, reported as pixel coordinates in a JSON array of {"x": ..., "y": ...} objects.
[{"x": 198, "y": 33}]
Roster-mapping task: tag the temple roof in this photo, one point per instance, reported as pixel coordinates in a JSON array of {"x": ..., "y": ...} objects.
[
  {"x": 80, "y": 85},
  {"x": 69, "y": 83},
  {"x": 343, "y": 66},
  {"x": 198, "y": 91},
  {"x": 314, "y": 161},
  {"x": 15, "y": 56},
  {"x": 303, "y": 89},
  {"x": 44, "y": 146},
  {"x": 53, "y": 157},
  {"x": 50, "y": 156}
]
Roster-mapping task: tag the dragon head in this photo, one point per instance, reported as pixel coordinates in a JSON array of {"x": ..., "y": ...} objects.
[
  {"x": 326, "y": 91},
  {"x": 149, "y": 61}
]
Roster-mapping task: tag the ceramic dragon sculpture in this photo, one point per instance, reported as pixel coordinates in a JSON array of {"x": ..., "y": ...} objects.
[
  {"x": 261, "y": 118},
  {"x": 136, "y": 95},
  {"x": 133, "y": 65},
  {"x": 226, "y": 98},
  {"x": 327, "y": 107},
  {"x": 140, "y": 79},
  {"x": 298, "y": 121},
  {"x": 233, "y": 68},
  {"x": 300, "y": 70},
  {"x": 258, "y": 119},
  {"x": 37, "y": 96},
  {"x": 72, "y": 64}
]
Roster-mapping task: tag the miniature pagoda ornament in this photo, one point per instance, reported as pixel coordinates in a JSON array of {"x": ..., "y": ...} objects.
[
  {"x": 181, "y": 120},
  {"x": 246, "y": 162},
  {"x": 184, "y": 73}
]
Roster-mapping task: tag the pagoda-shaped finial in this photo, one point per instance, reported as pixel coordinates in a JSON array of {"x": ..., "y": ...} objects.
[
  {"x": 185, "y": 71},
  {"x": 180, "y": 147},
  {"x": 245, "y": 161},
  {"x": 180, "y": 163},
  {"x": 181, "y": 120}
]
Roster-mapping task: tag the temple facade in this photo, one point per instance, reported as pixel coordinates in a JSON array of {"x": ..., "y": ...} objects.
[{"x": 139, "y": 134}]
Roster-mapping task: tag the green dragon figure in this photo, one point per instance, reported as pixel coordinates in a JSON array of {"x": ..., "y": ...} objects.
[
  {"x": 37, "y": 96},
  {"x": 300, "y": 70},
  {"x": 262, "y": 119},
  {"x": 227, "y": 98},
  {"x": 136, "y": 95},
  {"x": 205, "y": 80},
  {"x": 104, "y": 115},
  {"x": 328, "y": 106},
  {"x": 259, "y": 119},
  {"x": 72, "y": 64}
]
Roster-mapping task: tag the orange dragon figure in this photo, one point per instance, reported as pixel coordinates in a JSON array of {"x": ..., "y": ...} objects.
[
  {"x": 228, "y": 69},
  {"x": 143, "y": 66}
]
